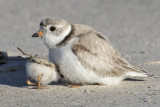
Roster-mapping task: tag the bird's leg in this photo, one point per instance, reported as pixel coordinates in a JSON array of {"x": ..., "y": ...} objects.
[
  {"x": 30, "y": 83},
  {"x": 74, "y": 86},
  {"x": 100, "y": 84},
  {"x": 39, "y": 85}
]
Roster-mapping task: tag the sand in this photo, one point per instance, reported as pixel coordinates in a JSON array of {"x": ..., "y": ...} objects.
[{"x": 133, "y": 27}]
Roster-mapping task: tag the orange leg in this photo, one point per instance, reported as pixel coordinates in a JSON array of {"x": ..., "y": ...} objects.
[
  {"x": 30, "y": 83},
  {"x": 39, "y": 85},
  {"x": 74, "y": 86}
]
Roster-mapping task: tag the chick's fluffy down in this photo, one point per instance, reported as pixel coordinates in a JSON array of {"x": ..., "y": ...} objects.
[{"x": 49, "y": 73}]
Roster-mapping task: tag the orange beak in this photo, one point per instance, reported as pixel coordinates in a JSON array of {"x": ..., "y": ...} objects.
[{"x": 38, "y": 34}]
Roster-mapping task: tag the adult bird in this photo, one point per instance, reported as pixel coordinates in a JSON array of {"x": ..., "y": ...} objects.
[{"x": 84, "y": 56}]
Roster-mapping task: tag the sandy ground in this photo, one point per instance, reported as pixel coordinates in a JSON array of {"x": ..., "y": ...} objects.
[{"x": 133, "y": 27}]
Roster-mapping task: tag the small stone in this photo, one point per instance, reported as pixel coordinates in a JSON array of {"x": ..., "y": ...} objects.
[
  {"x": 154, "y": 94},
  {"x": 142, "y": 52}
]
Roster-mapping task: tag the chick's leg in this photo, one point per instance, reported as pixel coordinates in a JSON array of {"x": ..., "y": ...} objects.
[
  {"x": 39, "y": 84},
  {"x": 29, "y": 82}
]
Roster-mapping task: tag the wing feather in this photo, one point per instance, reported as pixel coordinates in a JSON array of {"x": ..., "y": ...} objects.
[{"x": 96, "y": 54}]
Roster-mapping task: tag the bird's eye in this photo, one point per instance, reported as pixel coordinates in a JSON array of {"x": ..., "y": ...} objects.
[{"x": 52, "y": 28}]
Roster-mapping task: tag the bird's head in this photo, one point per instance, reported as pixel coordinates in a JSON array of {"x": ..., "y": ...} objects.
[{"x": 53, "y": 31}]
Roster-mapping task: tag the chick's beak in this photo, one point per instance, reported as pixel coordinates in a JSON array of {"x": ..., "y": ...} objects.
[{"x": 38, "y": 34}]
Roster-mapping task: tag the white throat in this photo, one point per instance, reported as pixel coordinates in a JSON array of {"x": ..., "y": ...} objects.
[{"x": 52, "y": 40}]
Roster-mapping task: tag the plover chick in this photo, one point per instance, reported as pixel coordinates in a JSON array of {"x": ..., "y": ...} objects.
[{"x": 42, "y": 71}]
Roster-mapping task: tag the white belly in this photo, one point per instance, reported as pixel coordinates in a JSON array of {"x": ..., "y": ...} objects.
[
  {"x": 69, "y": 65},
  {"x": 73, "y": 71}
]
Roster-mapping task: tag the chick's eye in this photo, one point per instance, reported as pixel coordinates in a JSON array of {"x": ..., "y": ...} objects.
[{"x": 52, "y": 28}]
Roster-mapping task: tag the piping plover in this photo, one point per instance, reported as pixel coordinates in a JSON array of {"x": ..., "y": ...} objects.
[{"x": 84, "y": 56}]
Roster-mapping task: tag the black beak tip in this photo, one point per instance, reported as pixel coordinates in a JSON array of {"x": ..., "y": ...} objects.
[{"x": 35, "y": 35}]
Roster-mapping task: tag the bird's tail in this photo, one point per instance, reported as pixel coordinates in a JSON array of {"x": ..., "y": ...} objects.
[{"x": 135, "y": 73}]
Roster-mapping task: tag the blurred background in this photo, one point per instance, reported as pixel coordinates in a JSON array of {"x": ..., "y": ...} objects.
[{"x": 133, "y": 26}]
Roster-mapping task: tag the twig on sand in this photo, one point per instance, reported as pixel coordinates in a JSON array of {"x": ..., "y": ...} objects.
[
  {"x": 152, "y": 63},
  {"x": 23, "y": 52},
  {"x": 12, "y": 68}
]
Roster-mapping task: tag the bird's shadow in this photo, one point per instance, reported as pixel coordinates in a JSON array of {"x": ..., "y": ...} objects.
[
  {"x": 131, "y": 79},
  {"x": 12, "y": 72}
]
